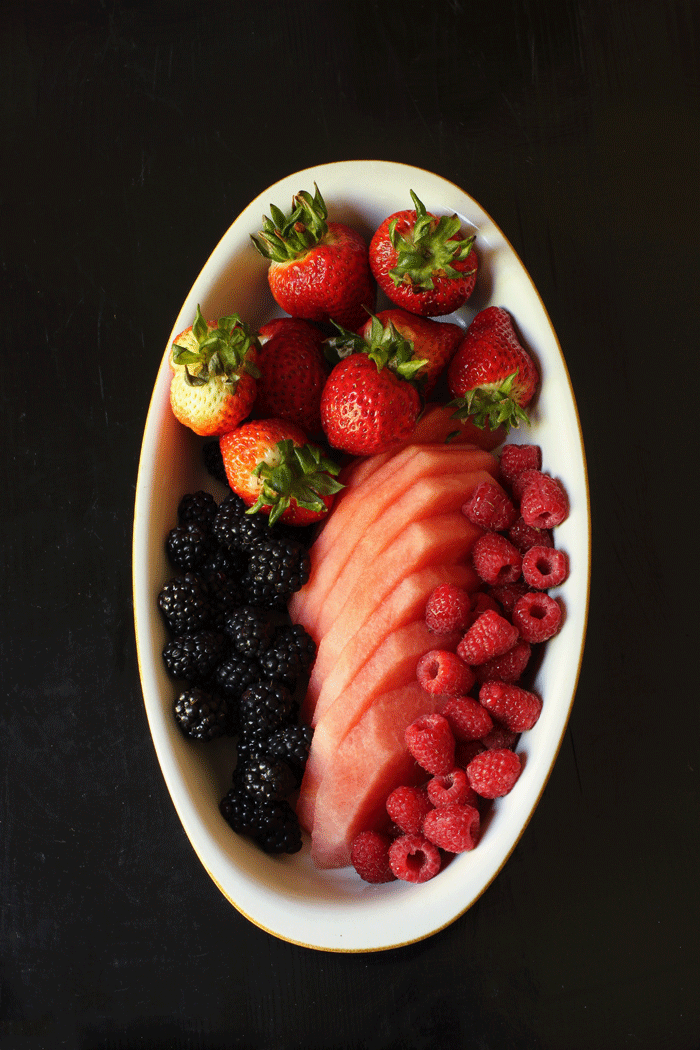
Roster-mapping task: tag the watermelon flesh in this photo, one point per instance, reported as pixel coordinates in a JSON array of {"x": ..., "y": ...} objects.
[
  {"x": 437, "y": 494},
  {"x": 371, "y": 761},
  {"x": 405, "y": 603},
  {"x": 445, "y": 539},
  {"x": 359, "y": 506},
  {"x": 392, "y": 665}
]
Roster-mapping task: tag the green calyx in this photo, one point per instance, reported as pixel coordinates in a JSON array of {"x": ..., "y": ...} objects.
[
  {"x": 285, "y": 237},
  {"x": 301, "y": 473},
  {"x": 429, "y": 248},
  {"x": 220, "y": 353},
  {"x": 493, "y": 406},
  {"x": 385, "y": 346}
]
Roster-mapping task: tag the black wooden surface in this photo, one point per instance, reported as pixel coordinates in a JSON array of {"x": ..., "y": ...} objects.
[{"x": 133, "y": 133}]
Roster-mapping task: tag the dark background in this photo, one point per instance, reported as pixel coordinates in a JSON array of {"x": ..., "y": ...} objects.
[{"x": 133, "y": 133}]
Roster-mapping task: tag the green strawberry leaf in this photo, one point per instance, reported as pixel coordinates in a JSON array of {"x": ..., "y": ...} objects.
[
  {"x": 221, "y": 352},
  {"x": 492, "y": 406},
  {"x": 384, "y": 345},
  {"x": 301, "y": 473},
  {"x": 284, "y": 237},
  {"x": 430, "y": 247}
]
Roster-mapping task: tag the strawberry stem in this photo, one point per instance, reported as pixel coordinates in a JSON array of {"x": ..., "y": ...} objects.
[
  {"x": 429, "y": 248},
  {"x": 284, "y": 237},
  {"x": 491, "y": 405},
  {"x": 301, "y": 473}
]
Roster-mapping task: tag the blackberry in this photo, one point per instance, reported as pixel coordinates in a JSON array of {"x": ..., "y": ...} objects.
[
  {"x": 240, "y": 810},
  {"x": 290, "y": 655},
  {"x": 235, "y": 674},
  {"x": 193, "y": 657},
  {"x": 201, "y": 715},
  {"x": 266, "y": 777},
  {"x": 273, "y": 825},
  {"x": 276, "y": 569},
  {"x": 291, "y": 744},
  {"x": 278, "y": 828},
  {"x": 237, "y": 530},
  {"x": 214, "y": 461},
  {"x": 226, "y": 594},
  {"x": 265, "y": 707},
  {"x": 197, "y": 508},
  {"x": 249, "y": 630},
  {"x": 221, "y": 560},
  {"x": 185, "y": 603},
  {"x": 187, "y": 546}
]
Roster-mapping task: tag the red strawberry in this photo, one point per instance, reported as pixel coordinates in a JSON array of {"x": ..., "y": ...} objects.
[
  {"x": 423, "y": 263},
  {"x": 491, "y": 376},
  {"x": 434, "y": 341},
  {"x": 271, "y": 466},
  {"x": 319, "y": 270},
  {"x": 370, "y": 402},
  {"x": 293, "y": 371},
  {"x": 214, "y": 374}
]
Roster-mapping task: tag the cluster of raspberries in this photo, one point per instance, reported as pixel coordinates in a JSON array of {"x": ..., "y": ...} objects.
[
  {"x": 236, "y": 656},
  {"x": 467, "y": 746}
]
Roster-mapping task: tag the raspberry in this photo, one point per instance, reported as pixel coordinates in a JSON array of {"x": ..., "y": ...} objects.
[
  {"x": 443, "y": 673},
  {"x": 448, "y": 609},
  {"x": 407, "y": 806},
  {"x": 492, "y": 774},
  {"x": 495, "y": 559},
  {"x": 467, "y": 718},
  {"x": 506, "y": 668},
  {"x": 545, "y": 567},
  {"x": 500, "y": 738},
  {"x": 491, "y": 635},
  {"x": 515, "y": 708},
  {"x": 522, "y": 481},
  {"x": 369, "y": 854},
  {"x": 430, "y": 741},
  {"x": 489, "y": 507},
  {"x": 517, "y": 458},
  {"x": 414, "y": 859},
  {"x": 524, "y": 536},
  {"x": 453, "y": 787},
  {"x": 508, "y": 594},
  {"x": 544, "y": 503},
  {"x": 537, "y": 616},
  {"x": 480, "y": 603},
  {"x": 466, "y": 750},
  {"x": 454, "y": 827}
]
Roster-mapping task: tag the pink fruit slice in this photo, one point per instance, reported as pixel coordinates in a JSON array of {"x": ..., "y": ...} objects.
[
  {"x": 392, "y": 665},
  {"x": 406, "y": 602},
  {"x": 359, "y": 506},
  {"x": 371, "y": 761},
  {"x": 435, "y": 494}
]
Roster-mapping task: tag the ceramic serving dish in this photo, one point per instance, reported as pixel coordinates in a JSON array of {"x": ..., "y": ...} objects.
[{"x": 288, "y": 896}]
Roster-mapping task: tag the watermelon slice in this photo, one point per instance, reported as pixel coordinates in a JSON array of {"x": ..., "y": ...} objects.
[
  {"x": 360, "y": 505},
  {"x": 406, "y": 602},
  {"x": 428, "y": 496},
  {"x": 392, "y": 665},
  {"x": 371, "y": 761}
]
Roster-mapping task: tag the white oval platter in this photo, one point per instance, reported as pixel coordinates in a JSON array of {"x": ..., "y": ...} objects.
[{"x": 287, "y": 896}]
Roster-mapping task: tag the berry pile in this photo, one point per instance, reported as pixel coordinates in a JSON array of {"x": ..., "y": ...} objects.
[
  {"x": 237, "y": 659},
  {"x": 466, "y": 750}
]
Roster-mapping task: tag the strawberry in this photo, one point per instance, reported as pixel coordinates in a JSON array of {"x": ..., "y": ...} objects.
[
  {"x": 293, "y": 371},
  {"x": 319, "y": 270},
  {"x": 424, "y": 264},
  {"x": 214, "y": 374},
  {"x": 492, "y": 377},
  {"x": 274, "y": 469},
  {"x": 434, "y": 341},
  {"x": 370, "y": 402}
]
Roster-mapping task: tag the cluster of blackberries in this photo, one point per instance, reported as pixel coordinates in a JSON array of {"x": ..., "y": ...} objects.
[{"x": 239, "y": 659}]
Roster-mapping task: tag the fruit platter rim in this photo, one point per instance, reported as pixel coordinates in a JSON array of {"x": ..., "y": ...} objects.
[{"x": 286, "y": 897}]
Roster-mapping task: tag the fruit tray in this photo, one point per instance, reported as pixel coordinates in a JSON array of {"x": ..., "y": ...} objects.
[{"x": 287, "y": 896}]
